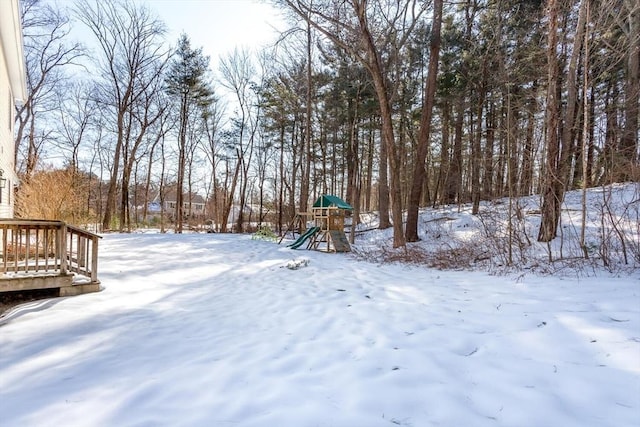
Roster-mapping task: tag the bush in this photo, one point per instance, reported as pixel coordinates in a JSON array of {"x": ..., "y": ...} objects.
[{"x": 264, "y": 233}]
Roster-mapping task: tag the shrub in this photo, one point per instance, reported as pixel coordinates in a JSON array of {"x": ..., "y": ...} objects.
[{"x": 265, "y": 233}]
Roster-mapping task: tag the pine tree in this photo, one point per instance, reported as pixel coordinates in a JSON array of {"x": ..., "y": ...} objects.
[{"x": 187, "y": 84}]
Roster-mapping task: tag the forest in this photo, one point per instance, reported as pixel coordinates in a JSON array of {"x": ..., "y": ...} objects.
[{"x": 392, "y": 105}]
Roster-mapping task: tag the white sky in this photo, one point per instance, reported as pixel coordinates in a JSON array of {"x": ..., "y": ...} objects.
[{"x": 218, "y": 26}]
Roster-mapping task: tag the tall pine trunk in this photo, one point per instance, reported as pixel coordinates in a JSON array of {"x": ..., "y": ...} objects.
[
  {"x": 419, "y": 172},
  {"x": 629, "y": 142},
  {"x": 552, "y": 185}
]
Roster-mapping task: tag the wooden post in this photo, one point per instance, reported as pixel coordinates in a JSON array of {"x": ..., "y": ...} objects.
[
  {"x": 94, "y": 260},
  {"x": 61, "y": 247}
]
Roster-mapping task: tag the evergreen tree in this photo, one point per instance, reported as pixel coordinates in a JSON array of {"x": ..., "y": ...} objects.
[{"x": 188, "y": 86}]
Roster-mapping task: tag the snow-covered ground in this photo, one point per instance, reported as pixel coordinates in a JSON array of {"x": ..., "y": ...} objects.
[
  {"x": 216, "y": 330},
  {"x": 454, "y": 238}
]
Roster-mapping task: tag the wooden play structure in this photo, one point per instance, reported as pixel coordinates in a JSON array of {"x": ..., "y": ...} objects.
[{"x": 327, "y": 234}]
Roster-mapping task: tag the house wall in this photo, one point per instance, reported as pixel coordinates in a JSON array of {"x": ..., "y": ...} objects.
[
  {"x": 12, "y": 88},
  {"x": 6, "y": 136},
  {"x": 193, "y": 209}
]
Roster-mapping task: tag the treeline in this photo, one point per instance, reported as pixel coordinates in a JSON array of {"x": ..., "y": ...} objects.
[{"x": 391, "y": 105}]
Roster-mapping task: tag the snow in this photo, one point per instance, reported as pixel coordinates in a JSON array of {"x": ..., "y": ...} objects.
[{"x": 219, "y": 330}]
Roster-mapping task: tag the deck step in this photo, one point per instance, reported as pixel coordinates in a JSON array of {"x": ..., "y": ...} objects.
[{"x": 64, "y": 282}]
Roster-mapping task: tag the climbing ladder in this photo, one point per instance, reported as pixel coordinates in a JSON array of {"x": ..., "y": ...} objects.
[
  {"x": 330, "y": 241},
  {"x": 339, "y": 241}
]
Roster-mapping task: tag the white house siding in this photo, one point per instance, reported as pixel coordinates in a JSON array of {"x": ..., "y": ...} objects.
[
  {"x": 6, "y": 138},
  {"x": 12, "y": 88}
]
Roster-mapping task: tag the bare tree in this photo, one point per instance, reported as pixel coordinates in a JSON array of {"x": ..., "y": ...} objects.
[
  {"x": 47, "y": 54},
  {"x": 76, "y": 116},
  {"x": 553, "y": 189},
  {"x": 211, "y": 120},
  {"x": 585, "y": 134},
  {"x": 425, "y": 125},
  {"x": 150, "y": 108},
  {"x": 629, "y": 143},
  {"x": 237, "y": 72},
  {"x": 162, "y": 127},
  {"x": 307, "y": 139},
  {"x": 130, "y": 62}
]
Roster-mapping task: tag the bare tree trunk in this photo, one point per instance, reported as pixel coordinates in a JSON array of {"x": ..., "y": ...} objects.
[
  {"x": 476, "y": 149},
  {"x": 307, "y": 146},
  {"x": 445, "y": 157},
  {"x": 512, "y": 140},
  {"x": 383, "y": 189},
  {"x": 585, "y": 133},
  {"x": 453, "y": 188},
  {"x": 419, "y": 172},
  {"x": 182, "y": 143},
  {"x": 230, "y": 196},
  {"x": 552, "y": 188},
  {"x": 353, "y": 152},
  {"x": 388, "y": 139},
  {"x": 282, "y": 178},
  {"x": 163, "y": 163},
  {"x": 32, "y": 153},
  {"x": 629, "y": 142},
  {"x": 570, "y": 125},
  {"x": 110, "y": 203},
  {"x": 526, "y": 183},
  {"x": 488, "y": 180},
  {"x": 246, "y": 162},
  {"x": 591, "y": 146},
  {"x": 369, "y": 176}
]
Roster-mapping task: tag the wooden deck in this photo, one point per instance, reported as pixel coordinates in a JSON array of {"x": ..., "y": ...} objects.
[{"x": 40, "y": 254}]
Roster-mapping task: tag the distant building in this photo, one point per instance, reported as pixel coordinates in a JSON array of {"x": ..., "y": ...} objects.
[
  {"x": 13, "y": 88},
  {"x": 193, "y": 205}
]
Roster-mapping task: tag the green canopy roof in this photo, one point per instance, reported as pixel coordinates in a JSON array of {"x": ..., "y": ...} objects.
[{"x": 328, "y": 200}]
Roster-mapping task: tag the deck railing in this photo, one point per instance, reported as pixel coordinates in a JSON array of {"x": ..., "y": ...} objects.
[
  {"x": 82, "y": 252},
  {"x": 42, "y": 247}
]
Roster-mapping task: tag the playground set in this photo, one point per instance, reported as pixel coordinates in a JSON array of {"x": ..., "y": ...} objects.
[{"x": 327, "y": 234}]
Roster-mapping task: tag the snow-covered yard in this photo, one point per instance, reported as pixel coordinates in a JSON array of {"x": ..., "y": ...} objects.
[{"x": 215, "y": 330}]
